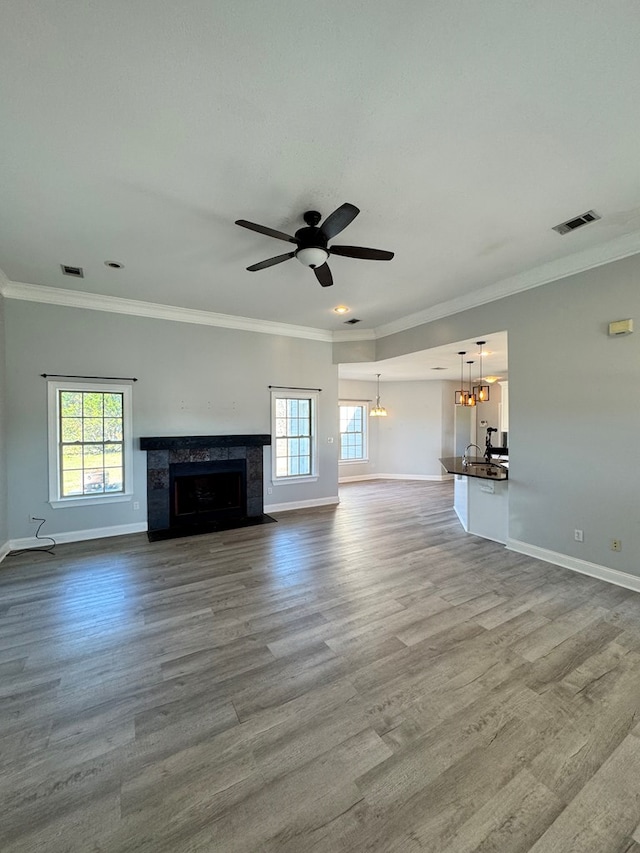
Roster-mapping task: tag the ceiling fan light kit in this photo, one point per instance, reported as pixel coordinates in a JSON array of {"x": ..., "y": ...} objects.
[
  {"x": 312, "y": 242},
  {"x": 313, "y": 256}
]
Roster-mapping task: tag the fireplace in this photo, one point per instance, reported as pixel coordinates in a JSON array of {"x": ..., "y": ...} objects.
[{"x": 200, "y": 484}]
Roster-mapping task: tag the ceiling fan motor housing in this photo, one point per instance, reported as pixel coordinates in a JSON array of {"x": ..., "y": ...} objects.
[{"x": 312, "y": 243}]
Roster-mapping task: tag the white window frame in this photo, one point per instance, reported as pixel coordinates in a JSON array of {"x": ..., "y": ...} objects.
[
  {"x": 365, "y": 432},
  {"x": 313, "y": 398},
  {"x": 55, "y": 492}
]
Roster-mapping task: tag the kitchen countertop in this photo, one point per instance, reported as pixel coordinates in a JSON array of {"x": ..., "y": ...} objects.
[{"x": 477, "y": 467}]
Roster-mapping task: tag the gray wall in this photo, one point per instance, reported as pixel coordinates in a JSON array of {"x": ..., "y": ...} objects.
[
  {"x": 192, "y": 380},
  {"x": 4, "y": 533},
  {"x": 574, "y": 408},
  {"x": 447, "y": 434},
  {"x": 411, "y": 436}
]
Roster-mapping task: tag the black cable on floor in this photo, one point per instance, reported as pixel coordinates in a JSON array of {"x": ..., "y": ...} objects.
[{"x": 43, "y": 550}]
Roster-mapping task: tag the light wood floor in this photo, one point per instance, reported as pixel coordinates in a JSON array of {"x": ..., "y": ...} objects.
[{"x": 366, "y": 678}]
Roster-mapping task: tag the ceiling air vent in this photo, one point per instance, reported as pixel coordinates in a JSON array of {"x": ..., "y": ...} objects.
[
  {"x": 77, "y": 272},
  {"x": 576, "y": 222},
  {"x": 352, "y": 321}
]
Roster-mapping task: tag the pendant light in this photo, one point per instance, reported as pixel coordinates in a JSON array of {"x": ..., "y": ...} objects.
[
  {"x": 378, "y": 411},
  {"x": 480, "y": 391},
  {"x": 471, "y": 397},
  {"x": 461, "y": 395}
]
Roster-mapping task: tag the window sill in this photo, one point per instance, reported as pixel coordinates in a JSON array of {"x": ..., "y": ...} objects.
[
  {"x": 287, "y": 481},
  {"x": 64, "y": 503},
  {"x": 352, "y": 461}
]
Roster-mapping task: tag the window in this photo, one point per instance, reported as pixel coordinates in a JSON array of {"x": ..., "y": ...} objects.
[
  {"x": 89, "y": 443},
  {"x": 294, "y": 450},
  {"x": 353, "y": 431}
]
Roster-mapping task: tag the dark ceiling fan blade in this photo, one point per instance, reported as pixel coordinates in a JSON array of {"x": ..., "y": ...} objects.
[
  {"x": 323, "y": 274},
  {"x": 270, "y": 262},
  {"x": 339, "y": 219},
  {"x": 361, "y": 252},
  {"x": 262, "y": 229}
]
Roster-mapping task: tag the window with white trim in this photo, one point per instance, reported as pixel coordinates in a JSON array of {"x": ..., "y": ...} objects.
[
  {"x": 353, "y": 431},
  {"x": 90, "y": 449},
  {"x": 294, "y": 445}
]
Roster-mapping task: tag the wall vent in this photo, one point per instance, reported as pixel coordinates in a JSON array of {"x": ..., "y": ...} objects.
[
  {"x": 576, "y": 222},
  {"x": 77, "y": 272},
  {"x": 352, "y": 321}
]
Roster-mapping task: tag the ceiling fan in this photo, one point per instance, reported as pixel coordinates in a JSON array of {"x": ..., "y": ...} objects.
[{"x": 312, "y": 249}]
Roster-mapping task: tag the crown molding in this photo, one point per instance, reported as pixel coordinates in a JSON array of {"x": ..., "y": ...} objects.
[
  {"x": 157, "y": 311},
  {"x": 597, "y": 256}
]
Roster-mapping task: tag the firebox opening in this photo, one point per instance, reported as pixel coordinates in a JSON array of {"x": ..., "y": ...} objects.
[{"x": 206, "y": 493}]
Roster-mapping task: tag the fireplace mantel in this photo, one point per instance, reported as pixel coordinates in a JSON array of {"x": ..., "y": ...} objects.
[{"x": 173, "y": 442}]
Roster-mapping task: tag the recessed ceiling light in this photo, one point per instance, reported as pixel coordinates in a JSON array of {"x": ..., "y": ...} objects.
[
  {"x": 115, "y": 265},
  {"x": 341, "y": 309}
]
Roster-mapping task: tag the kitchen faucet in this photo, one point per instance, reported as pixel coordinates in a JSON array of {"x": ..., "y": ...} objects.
[{"x": 465, "y": 458}]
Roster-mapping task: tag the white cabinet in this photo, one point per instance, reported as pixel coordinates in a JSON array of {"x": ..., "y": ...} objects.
[
  {"x": 504, "y": 406},
  {"x": 461, "y": 499},
  {"x": 488, "y": 509},
  {"x": 482, "y": 505}
]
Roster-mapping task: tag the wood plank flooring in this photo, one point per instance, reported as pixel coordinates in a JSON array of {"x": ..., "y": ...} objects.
[{"x": 361, "y": 678}]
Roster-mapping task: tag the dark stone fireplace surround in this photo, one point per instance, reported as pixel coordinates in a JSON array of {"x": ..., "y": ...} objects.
[{"x": 164, "y": 451}]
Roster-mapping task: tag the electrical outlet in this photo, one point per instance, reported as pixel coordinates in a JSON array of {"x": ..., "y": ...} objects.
[
  {"x": 136, "y": 504},
  {"x": 269, "y": 490},
  {"x": 578, "y": 535},
  {"x": 616, "y": 544}
]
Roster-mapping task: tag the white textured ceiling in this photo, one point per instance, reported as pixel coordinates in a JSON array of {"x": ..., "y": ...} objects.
[{"x": 139, "y": 131}]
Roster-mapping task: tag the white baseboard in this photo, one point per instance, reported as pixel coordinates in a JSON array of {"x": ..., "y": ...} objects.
[
  {"x": 462, "y": 521},
  {"x": 594, "y": 570},
  {"x": 437, "y": 478},
  {"x": 302, "y": 504},
  {"x": 357, "y": 477},
  {"x": 4, "y": 550},
  {"x": 79, "y": 535}
]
